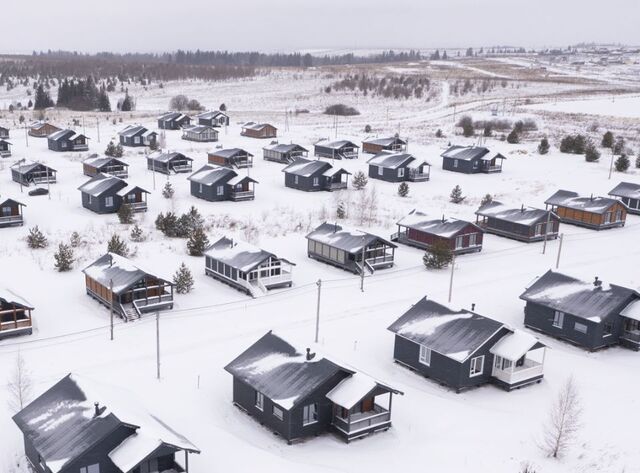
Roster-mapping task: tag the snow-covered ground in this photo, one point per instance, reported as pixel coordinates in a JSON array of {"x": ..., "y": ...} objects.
[
  {"x": 625, "y": 106},
  {"x": 483, "y": 430}
]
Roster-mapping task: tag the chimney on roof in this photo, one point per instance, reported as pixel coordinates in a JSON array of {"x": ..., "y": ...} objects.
[
  {"x": 110, "y": 260},
  {"x": 591, "y": 196},
  {"x": 597, "y": 282},
  {"x": 97, "y": 411},
  {"x": 522, "y": 208},
  {"x": 310, "y": 356},
  {"x": 473, "y": 306},
  {"x": 442, "y": 218},
  {"x": 335, "y": 227}
]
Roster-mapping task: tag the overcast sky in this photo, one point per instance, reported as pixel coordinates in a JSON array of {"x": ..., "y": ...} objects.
[{"x": 285, "y": 25}]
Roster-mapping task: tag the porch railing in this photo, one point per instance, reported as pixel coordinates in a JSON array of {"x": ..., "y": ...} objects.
[
  {"x": 10, "y": 219},
  {"x": 379, "y": 260},
  {"x": 242, "y": 195},
  {"x": 530, "y": 369},
  {"x": 631, "y": 335},
  {"x": 363, "y": 420},
  {"x": 15, "y": 324},
  {"x": 153, "y": 302},
  {"x": 137, "y": 206},
  {"x": 337, "y": 185}
]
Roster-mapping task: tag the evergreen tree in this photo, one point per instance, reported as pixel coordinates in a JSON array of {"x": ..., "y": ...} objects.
[
  {"x": 438, "y": 133},
  {"x": 118, "y": 152},
  {"x": 223, "y": 107},
  {"x": 607, "y": 140},
  {"x": 456, "y": 195},
  {"x": 622, "y": 163},
  {"x": 198, "y": 242},
  {"x": 466, "y": 123},
  {"x": 137, "y": 234},
  {"x": 111, "y": 150},
  {"x": 513, "y": 137},
  {"x": 118, "y": 246},
  {"x": 189, "y": 222},
  {"x": 104, "y": 105},
  {"x": 75, "y": 240},
  {"x": 543, "y": 147},
  {"x": 125, "y": 214},
  {"x": 341, "y": 211},
  {"x": 127, "y": 103},
  {"x": 183, "y": 280},
  {"x": 160, "y": 222},
  {"x": 591, "y": 154},
  {"x": 167, "y": 191},
  {"x": 42, "y": 99},
  {"x": 64, "y": 258},
  {"x": 403, "y": 189},
  {"x": 360, "y": 180},
  {"x": 168, "y": 224},
  {"x": 438, "y": 256},
  {"x": 638, "y": 161},
  {"x": 618, "y": 146},
  {"x": 487, "y": 199},
  {"x": 36, "y": 239}
]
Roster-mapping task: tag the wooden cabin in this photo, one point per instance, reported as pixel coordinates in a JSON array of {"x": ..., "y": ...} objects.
[
  {"x": 315, "y": 175},
  {"x": 421, "y": 231},
  {"x": 199, "y": 133},
  {"x": 305, "y": 394},
  {"x": 67, "y": 140},
  {"x": 169, "y": 163},
  {"x": 11, "y": 213},
  {"x": 589, "y": 314},
  {"x": 5, "y": 149},
  {"x": 283, "y": 153},
  {"x": 598, "y": 213},
  {"x": 524, "y": 224},
  {"x": 342, "y": 149},
  {"x": 259, "y": 130},
  {"x": 217, "y": 183},
  {"x": 15, "y": 315},
  {"x": 246, "y": 267},
  {"x": 28, "y": 173},
  {"x": 214, "y": 118},
  {"x": 81, "y": 425},
  {"x": 351, "y": 250},
  {"x": 629, "y": 194},
  {"x": 472, "y": 160},
  {"x": 231, "y": 158},
  {"x": 137, "y": 135},
  {"x": 392, "y": 144},
  {"x": 462, "y": 349},
  {"x": 42, "y": 129},
  {"x": 120, "y": 285},
  {"x": 398, "y": 167},
  {"x": 94, "y": 165},
  {"x": 104, "y": 194},
  {"x": 173, "y": 121},
  {"x": 4, "y": 133}
]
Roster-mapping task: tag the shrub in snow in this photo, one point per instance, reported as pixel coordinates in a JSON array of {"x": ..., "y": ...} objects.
[
  {"x": 622, "y": 163},
  {"x": 36, "y": 239},
  {"x": 438, "y": 256},
  {"x": 63, "y": 257},
  {"x": 607, "y": 140},
  {"x": 466, "y": 123},
  {"x": 113, "y": 150},
  {"x": 137, "y": 234},
  {"x": 638, "y": 161},
  {"x": 167, "y": 191},
  {"x": 125, "y": 214},
  {"x": 488, "y": 130},
  {"x": 341, "y": 211},
  {"x": 198, "y": 242},
  {"x": 341, "y": 109},
  {"x": 618, "y": 146},
  {"x": 543, "y": 147},
  {"x": 360, "y": 180},
  {"x": 591, "y": 154},
  {"x": 487, "y": 199},
  {"x": 439, "y": 133},
  {"x": 456, "y": 195},
  {"x": 513, "y": 137},
  {"x": 183, "y": 280},
  {"x": 222, "y": 108},
  {"x": 403, "y": 189},
  {"x": 75, "y": 240},
  {"x": 118, "y": 246},
  {"x": 189, "y": 222},
  {"x": 367, "y": 128},
  {"x": 575, "y": 144}
]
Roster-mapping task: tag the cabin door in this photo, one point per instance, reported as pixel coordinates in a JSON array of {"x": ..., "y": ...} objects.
[{"x": 367, "y": 405}]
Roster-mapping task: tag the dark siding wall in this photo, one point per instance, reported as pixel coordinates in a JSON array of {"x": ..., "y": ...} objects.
[
  {"x": 463, "y": 166},
  {"x": 209, "y": 192},
  {"x": 389, "y": 175},
  {"x": 100, "y": 453},
  {"x": 304, "y": 183}
]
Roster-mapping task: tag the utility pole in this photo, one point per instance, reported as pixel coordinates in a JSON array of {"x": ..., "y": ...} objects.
[
  {"x": 362, "y": 272},
  {"x": 158, "y": 344},
  {"x": 319, "y": 284},
  {"x": 98, "y": 127},
  {"x": 559, "y": 250},
  {"x": 111, "y": 304},
  {"x": 26, "y": 135},
  {"x": 453, "y": 265},
  {"x": 546, "y": 232},
  {"x": 83, "y": 128},
  {"x": 48, "y": 183},
  {"x": 611, "y": 165}
]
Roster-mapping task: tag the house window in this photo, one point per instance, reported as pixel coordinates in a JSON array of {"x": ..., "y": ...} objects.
[
  {"x": 278, "y": 413},
  {"x": 295, "y": 179},
  {"x": 136, "y": 139},
  {"x": 131, "y": 197},
  {"x": 607, "y": 217},
  {"x": 578, "y": 327},
  {"x": 108, "y": 202},
  {"x": 618, "y": 215},
  {"x": 63, "y": 145},
  {"x": 607, "y": 329},
  {"x": 472, "y": 239},
  {"x": 95, "y": 468},
  {"x": 316, "y": 181},
  {"x": 455, "y": 163},
  {"x": 260, "y": 400},
  {"x": 200, "y": 188},
  {"x": 220, "y": 190},
  {"x": 310, "y": 414},
  {"x": 558, "y": 319},
  {"x": 6, "y": 211},
  {"x": 400, "y": 172},
  {"x": 380, "y": 171},
  {"x": 539, "y": 229},
  {"x": 425, "y": 355},
  {"x": 459, "y": 242},
  {"x": 477, "y": 366}
]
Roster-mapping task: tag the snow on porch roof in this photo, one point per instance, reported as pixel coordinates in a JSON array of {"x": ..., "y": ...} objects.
[
  {"x": 523, "y": 215},
  {"x": 446, "y": 228},
  {"x": 353, "y": 389},
  {"x": 632, "y": 311},
  {"x": 238, "y": 254},
  {"x": 514, "y": 346},
  {"x": 350, "y": 241},
  {"x": 572, "y": 200},
  {"x": 626, "y": 189},
  {"x": 112, "y": 267}
]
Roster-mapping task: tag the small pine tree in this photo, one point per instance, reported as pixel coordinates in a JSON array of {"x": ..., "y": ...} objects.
[
  {"x": 223, "y": 107},
  {"x": 137, "y": 234},
  {"x": 125, "y": 214},
  {"x": 543, "y": 147},
  {"x": 623, "y": 163},
  {"x": 75, "y": 240},
  {"x": 64, "y": 258},
  {"x": 466, "y": 123},
  {"x": 438, "y": 256},
  {"x": 367, "y": 128},
  {"x": 513, "y": 137},
  {"x": 154, "y": 145},
  {"x": 438, "y": 133},
  {"x": 183, "y": 280},
  {"x": 618, "y": 146},
  {"x": 111, "y": 150},
  {"x": 638, "y": 161},
  {"x": 591, "y": 154},
  {"x": 36, "y": 239},
  {"x": 341, "y": 211},
  {"x": 403, "y": 189},
  {"x": 198, "y": 242},
  {"x": 487, "y": 199},
  {"x": 456, "y": 195},
  {"x": 127, "y": 103},
  {"x": 167, "y": 191},
  {"x": 607, "y": 140},
  {"x": 119, "y": 151},
  {"x": 360, "y": 180},
  {"x": 118, "y": 246}
]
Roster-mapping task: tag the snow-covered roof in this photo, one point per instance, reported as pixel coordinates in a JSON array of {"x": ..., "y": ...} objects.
[
  {"x": 130, "y": 188},
  {"x": 572, "y": 200},
  {"x": 61, "y": 134},
  {"x": 632, "y": 311},
  {"x": 209, "y": 175},
  {"x": 199, "y": 129},
  {"x": 471, "y": 153},
  {"x": 172, "y": 116},
  {"x": 522, "y": 216},
  {"x": 116, "y": 269},
  {"x": 446, "y": 228},
  {"x": 626, "y": 189},
  {"x": 354, "y": 389},
  {"x": 284, "y": 148},
  {"x": 97, "y": 161},
  {"x": 132, "y": 130},
  {"x": 101, "y": 183},
  {"x": 230, "y": 153},
  {"x": 393, "y": 140},
  {"x": 12, "y": 201},
  {"x": 210, "y": 114},
  {"x": 238, "y": 254},
  {"x": 454, "y": 334},
  {"x": 351, "y": 241},
  {"x": 167, "y": 157},
  {"x": 587, "y": 300},
  {"x": 340, "y": 144},
  {"x": 257, "y": 126},
  {"x": 9, "y": 298},
  {"x": 515, "y": 345},
  {"x": 29, "y": 166},
  {"x": 307, "y": 167},
  {"x": 392, "y": 160}
]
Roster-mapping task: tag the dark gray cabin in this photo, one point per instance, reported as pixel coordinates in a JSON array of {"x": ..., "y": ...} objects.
[
  {"x": 95, "y": 164},
  {"x": 104, "y": 194},
  {"x": 11, "y": 213},
  {"x": 315, "y": 175},
  {"x": 169, "y": 163},
  {"x": 246, "y": 267},
  {"x": 462, "y": 349},
  {"x": 524, "y": 224},
  {"x": 346, "y": 249},
  {"x": 231, "y": 157},
  {"x": 398, "y": 167},
  {"x": 83, "y": 426},
  {"x": 214, "y": 118},
  {"x": 217, "y": 183},
  {"x": 597, "y": 213},
  {"x": 591, "y": 315},
  {"x": 342, "y": 149},
  {"x": 67, "y": 140},
  {"x": 421, "y": 231},
  {"x": 28, "y": 173},
  {"x": 4, "y": 133},
  {"x": 199, "y": 133},
  {"x": 392, "y": 144},
  {"x": 137, "y": 135},
  {"x": 15, "y": 315},
  {"x": 629, "y": 194},
  {"x": 173, "y": 121},
  {"x": 284, "y": 153},
  {"x": 5, "y": 149},
  {"x": 472, "y": 160},
  {"x": 304, "y": 394}
]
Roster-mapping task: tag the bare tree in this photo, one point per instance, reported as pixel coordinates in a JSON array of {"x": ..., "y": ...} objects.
[
  {"x": 564, "y": 420},
  {"x": 373, "y": 205},
  {"x": 19, "y": 385}
]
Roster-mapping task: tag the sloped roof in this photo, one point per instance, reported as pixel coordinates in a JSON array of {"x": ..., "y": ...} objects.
[
  {"x": 569, "y": 199},
  {"x": 167, "y": 157},
  {"x": 99, "y": 161},
  {"x": 521, "y": 216},
  {"x": 199, "y": 129},
  {"x": 355, "y": 388},
  {"x": 284, "y": 148},
  {"x": 61, "y": 134},
  {"x": 12, "y": 201},
  {"x": 446, "y": 228},
  {"x": 307, "y": 167},
  {"x": 386, "y": 141},
  {"x": 257, "y": 126},
  {"x": 111, "y": 267},
  {"x": 350, "y": 241},
  {"x": 27, "y": 167},
  {"x": 454, "y": 334},
  {"x": 209, "y": 175},
  {"x": 238, "y": 254},
  {"x": 515, "y": 345},
  {"x": 133, "y": 130},
  {"x": 230, "y": 153},
  {"x": 391, "y": 160},
  {"x": 626, "y": 189},
  {"x": 337, "y": 144},
  {"x": 130, "y": 188},
  {"x": 10, "y": 298},
  {"x": 172, "y": 116},
  {"x": 210, "y": 114},
  {"x": 470, "y": 153},
  {"x": 101, "y": 183},
  {"x": 582, "y": 299}
]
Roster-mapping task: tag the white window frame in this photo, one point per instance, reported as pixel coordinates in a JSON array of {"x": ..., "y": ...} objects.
[
  {"x": 473, "y": 239},
  {"x": 400, "y": 172},
  {"x": 108, "y": 201},
  {"x": 259, "y": 401},
  {"x": 278, "y": 413},
  {"x": 558, "y": 319},
  {"x": 6, "y": 211},
  {"x": 93, "y": 468},
  {"x": 581, "y": 330},
  {"x": 219, "y": 190},
  {"x": 425, "y": 355},
  {"x": 316, "y": 181},
  {"x": 136, "y": 140},
  {"x": 295, "y": 179},
  {"x": 200, "y": 188},
  {"x": 380, "y": 171},
  {"x": 607, "y": 218},
  {"x": 461, "y": 240},
  {"x": 310, "y": 414},
  {"x": 455, "y": 163},
  {"x": 473, "y": 368}
]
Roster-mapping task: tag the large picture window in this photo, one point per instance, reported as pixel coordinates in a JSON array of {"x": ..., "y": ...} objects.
[{"x": 310, "y": 414}]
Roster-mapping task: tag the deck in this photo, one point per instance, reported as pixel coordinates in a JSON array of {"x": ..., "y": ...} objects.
[
  {"x": 11, "y": 220},
  {"x": 363, "y": 423}
]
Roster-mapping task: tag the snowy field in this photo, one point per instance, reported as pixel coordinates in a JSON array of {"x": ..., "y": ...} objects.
[
  {"x": 482, "y": 430},
  {"x": 625, "y": 106}
]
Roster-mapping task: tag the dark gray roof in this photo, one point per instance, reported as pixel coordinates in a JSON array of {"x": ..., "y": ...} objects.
[
  {"x": 337, "y": 144},
  {"x": 386, "y": 141},
  {"x": 111, "y": 267},
  {"x": 230, "y": 153},
  {"x": 392, "y": 160},
  {"x": 256, "y": 126},
  {"x": 199, "y": 129},
  {"x": 167, "y": 157},
  {"x": 209, "y": 175},
  {"x": 470, "y": 153},
  {"x": 170, "y": 116},
  {"x": 285, "y": 148},
  {"x": 99, "y": 161},
  {"x": 523, "y": 216},
  {"x": 569, "y": 199},
  {"x": 61, "y": 134},
  {"x": 26, "y": 168},
  {"x": 133, "y": 130},
  {"x": 626, "y": 189},
  {"x": 455, "y": 334},
  {"x": 238, "y": 254},
  {"x": 582, "y": 299},
  {"x": 101, "y": 183},
  {"x": 281, "y": 372},
  {"x": 12, "y": 201},
  {"x": 351, "y": 241},
  {"x": 307, "y": 167},
  {"x": 445, "y": 228},
  {"x": 210, "y": 114}
]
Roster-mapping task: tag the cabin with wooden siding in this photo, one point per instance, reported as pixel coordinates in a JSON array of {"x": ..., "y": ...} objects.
[
  {"x": 42, "y": 129},
  {"x": 15, "y": 315},
  {"x": 305, "y": 394},
  {"x": 94, "y": 165},
  {"x": 217, "y": 183},
  {"x": 173, "y": 121},
  {"x": 232, "y": 158},
  {"x": 597, "y": 213},
  {"x": 27, "y": 173},
  {"x": 629, "y": 194},
  {"x": 398, "y": 167},
  {"x": 104, "y": 194},
  {"x": 137, "y": 135},
  {"x": 4, "y": 133},
  {"x": 284, "y": 153},
  {"x": 67, "y": 140},
  {"x": 5, "y": 149},
  {"x": 393, "y": 144},
  {"x": 472, "y": 160},
  {"x": 419, "y": 230},
  {"x": 351, "y": 250},
  {"x": 462, "y": 349},
  {"x": 342, "y": 149},
  {"x": 214, "y": 118},
  {"x": 259, "y": 130},
  {"x": 122, "y": 286},
  {"x": 169, "y": 163},
  {"x": 199, "y": 133},
  {"x": 526, "y": 224},
  {"x": 315, "y": 175},
  {"x": 11, "y": 213}
]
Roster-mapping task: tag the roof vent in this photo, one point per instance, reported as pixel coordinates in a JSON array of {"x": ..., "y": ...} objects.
[
  {"x": 310, "y": 356},
  {"x": 97, "y": 409},
  {"x": 473, "y": 307},
  {"x": 442, "y": 218},
  {"x": 522, "y": 208},
  {"x": 597, "y": 282}
]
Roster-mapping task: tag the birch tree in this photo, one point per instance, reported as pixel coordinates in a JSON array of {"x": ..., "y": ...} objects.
[
  {"x": 19, "y": 385},
  {"x": 564, "y": 420}
]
